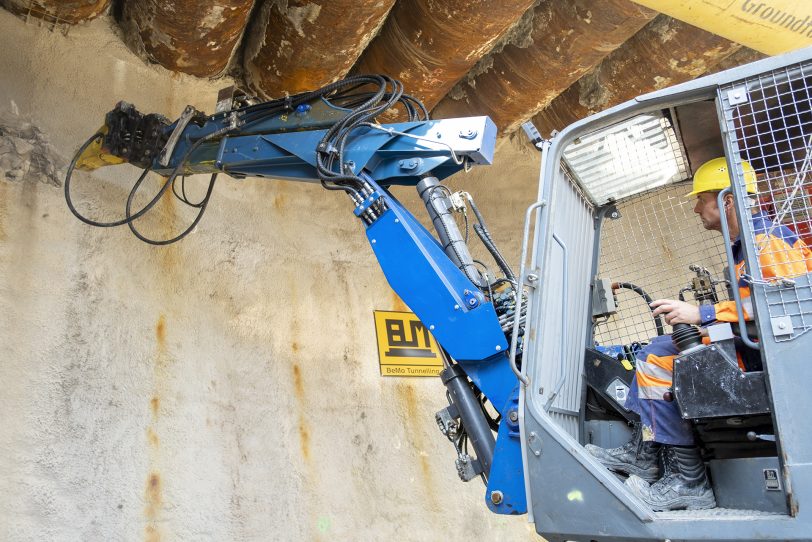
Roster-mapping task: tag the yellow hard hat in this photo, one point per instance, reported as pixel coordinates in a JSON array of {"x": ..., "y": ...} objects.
[{"x": 712, "y": 176}]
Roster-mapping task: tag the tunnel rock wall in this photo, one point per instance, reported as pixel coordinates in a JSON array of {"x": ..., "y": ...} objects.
[{"x": 226, "y": 387}]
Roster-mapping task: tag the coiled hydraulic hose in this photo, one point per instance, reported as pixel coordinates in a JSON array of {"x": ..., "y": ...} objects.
[{"x": 658, "y": 321}]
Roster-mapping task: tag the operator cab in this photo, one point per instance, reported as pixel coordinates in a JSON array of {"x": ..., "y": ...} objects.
[
  {"x": 653, "y": 246},
  {"x": 617, "y": 231}
]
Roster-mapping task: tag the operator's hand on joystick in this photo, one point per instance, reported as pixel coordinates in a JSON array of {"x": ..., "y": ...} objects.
[{"x": 676, "y": 312}]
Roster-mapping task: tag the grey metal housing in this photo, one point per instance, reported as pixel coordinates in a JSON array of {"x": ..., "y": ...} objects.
[{"x": 571, "y": 496}]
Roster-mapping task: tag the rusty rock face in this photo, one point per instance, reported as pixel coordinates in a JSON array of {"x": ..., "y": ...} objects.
[
  {"x": 297, "y": 45},
  {"x": 193, "y": 37},
  {"x": 430, "y": 44},
  {"x": 58, "y": 11},
  {"x": 565, "y": 39},
  {"x": 664, "y": 53}
]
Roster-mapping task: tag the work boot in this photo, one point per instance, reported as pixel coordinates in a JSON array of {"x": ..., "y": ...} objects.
[
  {"x": 636, "y": 457},
  {"x": 684, "y": 485}
]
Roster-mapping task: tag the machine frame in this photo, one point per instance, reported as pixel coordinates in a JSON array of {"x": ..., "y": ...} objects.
[{"x": 571, "y": 496}]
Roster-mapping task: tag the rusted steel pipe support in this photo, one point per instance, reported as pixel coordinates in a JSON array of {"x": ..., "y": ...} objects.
[
  {"x": 300, "y": 45},
  {"x": 431, "y": 44},
  {"x": 664, "y": 53},
  {"x": 198, "y": 38},
  {"x": 564, "y": 40},
  {"x": 57, "y": 11}
]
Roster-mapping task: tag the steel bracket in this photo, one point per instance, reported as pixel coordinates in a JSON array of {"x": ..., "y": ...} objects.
[{"x": 183, "y": 121}]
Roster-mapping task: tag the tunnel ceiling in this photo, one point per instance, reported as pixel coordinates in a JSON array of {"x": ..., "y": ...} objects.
[{"x": 552, "y": 61}]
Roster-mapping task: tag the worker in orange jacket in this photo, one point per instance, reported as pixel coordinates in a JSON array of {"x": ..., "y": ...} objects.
[{"x": 662, "y": 431}]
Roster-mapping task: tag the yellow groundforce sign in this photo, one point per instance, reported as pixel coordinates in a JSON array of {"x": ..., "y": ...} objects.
[
  {"x": 405, "y": 346},
  {"x": 770, "y": 26}
]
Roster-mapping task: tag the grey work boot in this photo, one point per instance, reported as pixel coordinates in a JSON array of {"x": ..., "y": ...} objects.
[
  {"x": 636, "y": 457},
  {"x": 685, "y": 484}
]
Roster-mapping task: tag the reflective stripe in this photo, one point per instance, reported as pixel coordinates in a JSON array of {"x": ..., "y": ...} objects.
[
  {"x": 644, "y": 381},
  {"x": 655, "y": 372},
  {"x": 653, "y": 392}
]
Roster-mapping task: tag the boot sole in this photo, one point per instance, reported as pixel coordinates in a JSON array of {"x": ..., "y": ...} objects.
[
  {"x": 649, "y": 475},
  {"x": 686, "y": 503}
]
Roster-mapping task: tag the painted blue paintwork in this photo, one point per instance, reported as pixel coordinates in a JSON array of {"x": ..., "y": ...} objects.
[
  {"x": 507, "y": 472},
  {"x": 412, "y": 260},
  {"x": 432, "y": 286},
  {"x": 385, "y": 156}
]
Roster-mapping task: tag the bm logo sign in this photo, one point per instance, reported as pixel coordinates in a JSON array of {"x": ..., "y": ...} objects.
[{"x": 405, "y": 345}]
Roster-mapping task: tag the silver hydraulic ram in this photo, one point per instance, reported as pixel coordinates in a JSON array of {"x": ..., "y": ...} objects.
[
  {"x": 435, "y": 196},
  {"x": 464, "y": 404}
]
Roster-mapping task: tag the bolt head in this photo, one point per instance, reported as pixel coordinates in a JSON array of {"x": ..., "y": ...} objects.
[
  {"x": 497, "y": 497},
  {"x": 431, "y": 327},
  {"x": 498, "y": 348},
  {"x": 513, "y": 416},
  {"x": 472, "y": 302}
]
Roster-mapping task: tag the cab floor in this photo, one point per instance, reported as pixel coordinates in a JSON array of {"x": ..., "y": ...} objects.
[{"x": 718, "y": 513}]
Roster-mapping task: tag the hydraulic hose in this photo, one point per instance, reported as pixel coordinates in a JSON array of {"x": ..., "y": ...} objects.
[
  {"x": 482, "y": 231},
  {"x": 658, "y": 321},
  {"x": 497, "y": 256},
  {"x": 471, "y": 414}
]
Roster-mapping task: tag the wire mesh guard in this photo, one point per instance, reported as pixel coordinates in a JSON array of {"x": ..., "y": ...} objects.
[
  {"x": 769, "y": 119},
  {"x": 651, "y": 246},
  {"x": 54, "y": 21}
]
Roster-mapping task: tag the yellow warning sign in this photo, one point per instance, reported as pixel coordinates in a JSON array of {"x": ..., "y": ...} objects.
[{"x": 405, "y": 345}]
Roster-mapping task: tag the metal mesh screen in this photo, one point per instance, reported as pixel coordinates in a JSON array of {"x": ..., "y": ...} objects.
[
  {"x": 651, "y": 246},
  {"x": 770, "y": 123}
]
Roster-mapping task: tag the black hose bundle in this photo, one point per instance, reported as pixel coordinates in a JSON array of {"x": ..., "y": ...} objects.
[
  {"x": 334, "y": 173},
  {"x": 658, "y": 321},
  {"x": 485, "y": 236}
]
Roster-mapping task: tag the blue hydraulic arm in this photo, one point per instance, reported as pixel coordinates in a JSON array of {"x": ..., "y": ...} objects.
[{"x": 435, "y": 278}]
